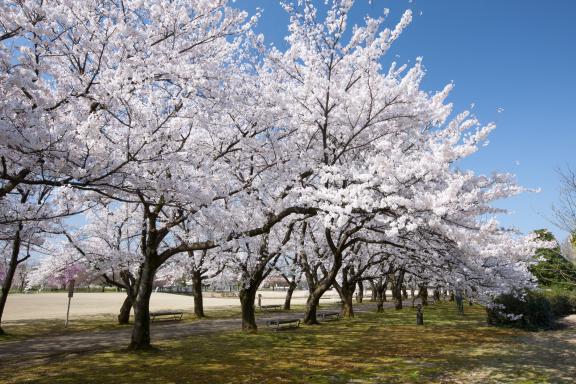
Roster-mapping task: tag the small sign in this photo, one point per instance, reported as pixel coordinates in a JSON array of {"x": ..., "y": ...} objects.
[{"x": 71, "y": 288}]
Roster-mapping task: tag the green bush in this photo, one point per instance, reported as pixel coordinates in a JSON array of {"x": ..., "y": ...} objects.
[
  {"x": 562, "y": 302},
  {"x": 530, "y": 310}
]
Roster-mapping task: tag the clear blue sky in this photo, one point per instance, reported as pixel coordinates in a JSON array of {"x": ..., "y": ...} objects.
[{"x": 517, "y": 55}]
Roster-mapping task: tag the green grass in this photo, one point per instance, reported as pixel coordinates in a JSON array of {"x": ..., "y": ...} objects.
[
  {"x": 372, "y": 348},
  {"x": 23, "y": 329}
]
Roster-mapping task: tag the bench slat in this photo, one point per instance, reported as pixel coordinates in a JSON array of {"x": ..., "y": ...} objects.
[{"x": 276, "y": 323}]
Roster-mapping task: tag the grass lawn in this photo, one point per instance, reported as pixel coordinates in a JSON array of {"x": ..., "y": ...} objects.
[{"x": 371, "y": 348}]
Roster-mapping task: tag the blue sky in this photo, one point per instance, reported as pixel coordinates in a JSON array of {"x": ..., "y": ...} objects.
[{"x": 517, "y": 56}]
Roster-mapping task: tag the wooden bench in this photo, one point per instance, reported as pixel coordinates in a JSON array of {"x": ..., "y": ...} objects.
[
  {"x": 176, "y": 315},
  {"x": 277, "y": 324},
  {"x": 329, "y": 315},
  {"x": 271, "y": 307}
]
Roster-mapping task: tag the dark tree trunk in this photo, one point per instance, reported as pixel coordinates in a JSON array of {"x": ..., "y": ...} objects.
[
  {"x": 397, "y": 290},
  {"x": 7, "y": 284},
  {"x": 436, "y": 295},
  {"x": 423, "y": 294},
  {"x": 315, "y": 293},
  {"x": 404, "y": 293},
  {"x": 247, "y": 298},
  {"x": 360, "y": 296},
  {"x": 124, "y": 315},
  {"x": 141, "y": 330},
  {"x": 373, "y": 293},
  {"x": 311, "y": 306},
  {"x": 317, "y": 290},
  {"x": 346, "y": 292},
  {"x": 381, "y": 287},
  {"x": 289, "y": 292},
  {"x": 197, "y": 294},
  {"x": 347, "y": 305}
]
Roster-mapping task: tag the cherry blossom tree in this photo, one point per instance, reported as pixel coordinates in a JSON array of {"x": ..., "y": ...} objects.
[{"x": 319, "y": 152}]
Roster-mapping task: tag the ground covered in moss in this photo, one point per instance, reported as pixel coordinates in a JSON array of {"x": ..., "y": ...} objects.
[{"x": 371, "y": 348}]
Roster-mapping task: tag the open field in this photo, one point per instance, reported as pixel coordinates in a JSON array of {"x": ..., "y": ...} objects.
[
  {"x": 53, "y": 305},
  {"x": 43, "y": 314},
  {"x": 372, "y": 348}
]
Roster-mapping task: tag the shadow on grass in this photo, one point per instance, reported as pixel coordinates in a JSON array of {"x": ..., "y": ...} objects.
[{"x": 371, "y": 348}]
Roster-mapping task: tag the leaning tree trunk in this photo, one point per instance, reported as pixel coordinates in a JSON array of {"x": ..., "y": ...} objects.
[
  {"x": 124, "y": 315},
  {"x": 247, "y": 298},
  {"x": 7, "y": 284},
  {"x": 141, "y": 330},
  {"x": 315, "y": 292},
  {"x": 360, "y": 296},
  {"x": 289, "y": 292},
  {"x": 311, "y": 307},
  {"x": 197, "y": 294}
]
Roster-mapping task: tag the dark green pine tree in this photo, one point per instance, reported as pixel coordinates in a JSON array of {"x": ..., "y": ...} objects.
[{"x": 553, "y": 270}]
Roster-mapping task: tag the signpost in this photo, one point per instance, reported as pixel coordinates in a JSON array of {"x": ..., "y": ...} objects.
[{"x": 70, "y": 294}]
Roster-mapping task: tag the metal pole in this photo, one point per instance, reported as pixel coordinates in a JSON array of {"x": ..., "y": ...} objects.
[
  {"x": 67, "y": 312},
  {"x": 70, "y": 294}
]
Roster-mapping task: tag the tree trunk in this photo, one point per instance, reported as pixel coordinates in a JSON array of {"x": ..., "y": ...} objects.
[
  {"x": 436, "y": 295},
  {"x": 397, "y": 290},
  {"x": 7, "y": 284},
  {"x": 247, "y": 297},
  {"x": 381, "y": 294},
  {"x": 124, "y": 315},
  {"x": 289, "y": 293},
  {"x": 374, "y": 293},
  {"x": 404, "y": 293},
  {"x": 311, "y": 306},
  {"x": 347, "y": 305},
  {"x": 423, "y": 293},
  {"x": 360, "y": 296},
  {"x": 141, "y": 330},
  {"x": 197, "y": 294}
]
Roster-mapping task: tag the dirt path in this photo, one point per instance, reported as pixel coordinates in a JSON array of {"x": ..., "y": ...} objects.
[
  {"x": 543, "y": 357},
  {"x": 48, "y": 347}
]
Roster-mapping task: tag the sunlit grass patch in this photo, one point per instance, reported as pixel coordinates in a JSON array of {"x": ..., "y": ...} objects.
[{"x": 371, "y": 348}]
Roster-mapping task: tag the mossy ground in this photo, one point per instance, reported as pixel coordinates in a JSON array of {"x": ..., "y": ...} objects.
[{"x": 371, "y": 348}]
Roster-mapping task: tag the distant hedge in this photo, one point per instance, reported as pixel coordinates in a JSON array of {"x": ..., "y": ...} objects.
[{"x": 531, "y": 310}]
